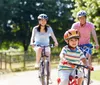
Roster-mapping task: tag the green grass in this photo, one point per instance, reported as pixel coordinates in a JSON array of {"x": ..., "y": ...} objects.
[{"x": 96, "y": 75}]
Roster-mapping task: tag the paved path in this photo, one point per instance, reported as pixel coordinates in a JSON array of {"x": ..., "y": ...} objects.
[{"x": 29, "y": 78}]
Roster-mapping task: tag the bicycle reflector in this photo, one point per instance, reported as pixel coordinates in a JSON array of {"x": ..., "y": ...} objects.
[
  {"x": 71, "y": 77},
  {"x": 58, "y": 80}
]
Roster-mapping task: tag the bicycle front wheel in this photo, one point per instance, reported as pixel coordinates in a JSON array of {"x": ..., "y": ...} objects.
[
  {"x": 47, "y": 70},
  {"x": 86, "y": 80},
  {"x": 41, "y": 73},
  {"x": 88, "y": 77}
]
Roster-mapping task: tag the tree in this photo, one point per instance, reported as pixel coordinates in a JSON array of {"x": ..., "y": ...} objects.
[{"x": 23, "y": 16}]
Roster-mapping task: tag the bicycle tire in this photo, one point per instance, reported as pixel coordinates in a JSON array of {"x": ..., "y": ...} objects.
[
  {"x": 47, "y": 72},
  {"x": 41, "y": 72},
  {"x": 86, "y": 80},
  {"x": 88, "y": 77}
]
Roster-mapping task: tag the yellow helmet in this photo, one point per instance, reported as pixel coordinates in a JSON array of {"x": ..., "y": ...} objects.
[{"x": 71, "y": 33}]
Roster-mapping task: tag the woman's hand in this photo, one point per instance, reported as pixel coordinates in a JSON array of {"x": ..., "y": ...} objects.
[
  {"x": 32, "y": 45},
  {"x": 56, "y": 43}
]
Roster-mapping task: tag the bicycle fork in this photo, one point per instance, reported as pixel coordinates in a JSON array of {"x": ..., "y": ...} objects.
[{"x": 72, "y": 80}]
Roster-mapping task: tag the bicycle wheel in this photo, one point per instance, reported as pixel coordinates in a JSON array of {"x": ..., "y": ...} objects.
[
  {"x": 41, "y": 72},
  {"x": 86, "y": 80},
  {"x": 88, "y": 77},
  {"x": 47, "y": 72}
]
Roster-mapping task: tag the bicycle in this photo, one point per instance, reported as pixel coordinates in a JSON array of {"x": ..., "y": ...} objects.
[
  {"x": 73, "y": 80},
  {"x": 87, "y": 72},
  {"x": 44, "y": 71}
]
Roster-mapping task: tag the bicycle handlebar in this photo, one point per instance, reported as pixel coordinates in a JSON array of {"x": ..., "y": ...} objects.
[
  {"x": 78, "y": 65},
  {"x": 51, "y": 45}
]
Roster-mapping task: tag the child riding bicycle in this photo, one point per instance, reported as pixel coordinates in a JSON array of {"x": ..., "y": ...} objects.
[{"x": 70, "y": 53}]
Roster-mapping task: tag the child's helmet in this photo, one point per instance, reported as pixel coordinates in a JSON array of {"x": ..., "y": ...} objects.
[
  {"x": 71, "y": 33},
  {"x": 43, "y": 16},
  {"x": 81, "y": 13}
]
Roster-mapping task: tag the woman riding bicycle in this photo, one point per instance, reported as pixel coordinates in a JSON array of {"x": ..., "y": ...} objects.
[
  {"x": 70, "y": 53},
  {"x": 40, "y": 36},
  {"x": 86, "y": 29}
]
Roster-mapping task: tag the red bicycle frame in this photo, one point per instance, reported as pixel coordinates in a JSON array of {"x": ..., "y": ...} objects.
[{"x": 73, "y": 81}]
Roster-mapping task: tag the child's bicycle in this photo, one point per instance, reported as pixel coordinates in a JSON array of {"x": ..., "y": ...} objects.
[
  {"x": 73, "y": 80},
  {"x": 44, "y": 71}
]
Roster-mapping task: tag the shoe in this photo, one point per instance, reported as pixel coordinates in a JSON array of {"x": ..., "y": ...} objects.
[
  {"x": 50, "y": 81},
  {"x": 91, "y": 81},
  {"x": 36, "y": 66}
]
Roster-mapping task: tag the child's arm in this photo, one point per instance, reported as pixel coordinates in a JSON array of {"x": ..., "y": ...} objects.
[{"x": 84, "y": 61}]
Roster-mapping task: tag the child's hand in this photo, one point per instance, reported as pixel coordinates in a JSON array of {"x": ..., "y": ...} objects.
[
  {"x": 64, "y": 62},
  {"x": 91, "y": 68}
]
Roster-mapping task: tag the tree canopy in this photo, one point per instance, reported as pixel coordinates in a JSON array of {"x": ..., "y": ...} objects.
[{"x": 19, "y": 16}]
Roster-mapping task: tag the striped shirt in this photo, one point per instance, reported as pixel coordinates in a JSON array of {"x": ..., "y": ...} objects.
[{"x": 73, "y": 56}]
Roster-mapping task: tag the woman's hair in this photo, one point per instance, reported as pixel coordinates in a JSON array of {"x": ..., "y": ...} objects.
[{"x": 39, "y": 27}]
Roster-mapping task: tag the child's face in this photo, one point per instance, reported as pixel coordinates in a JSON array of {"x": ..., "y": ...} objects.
[{"x": 73, "y": 42}]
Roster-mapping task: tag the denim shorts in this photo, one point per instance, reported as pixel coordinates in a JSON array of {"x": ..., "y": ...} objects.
[{"x": 86, "y": 48}]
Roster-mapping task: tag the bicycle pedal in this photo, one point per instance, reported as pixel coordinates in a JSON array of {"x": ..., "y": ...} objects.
[
  {"x": 85, "y": 76},
  {"x": 39, "y": 76}
]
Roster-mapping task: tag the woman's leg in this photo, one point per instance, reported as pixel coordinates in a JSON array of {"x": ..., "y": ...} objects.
[
  {"x": 48, "y": 53},
  {"x": 38, "y": 51}
]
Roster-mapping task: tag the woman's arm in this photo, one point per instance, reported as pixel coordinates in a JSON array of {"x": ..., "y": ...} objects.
[
  {"x": 54, "y": 39},
  {"x": 32, "y": 37}
]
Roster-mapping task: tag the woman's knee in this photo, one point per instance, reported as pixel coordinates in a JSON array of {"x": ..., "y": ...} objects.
[{"x": 39, "y": 49}]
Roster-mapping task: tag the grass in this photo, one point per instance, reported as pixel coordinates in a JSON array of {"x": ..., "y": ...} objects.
[{"x": 95, "y": 75}]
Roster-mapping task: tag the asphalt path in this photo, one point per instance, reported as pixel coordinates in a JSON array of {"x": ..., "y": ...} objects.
[{"x": 30, "y": 78}]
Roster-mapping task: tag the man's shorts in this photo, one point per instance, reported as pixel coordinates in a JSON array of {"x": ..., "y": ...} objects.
[{"x": 86, "y": 48}]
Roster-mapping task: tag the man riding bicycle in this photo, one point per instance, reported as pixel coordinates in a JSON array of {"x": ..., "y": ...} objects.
[{"x": 86, "y": 29}]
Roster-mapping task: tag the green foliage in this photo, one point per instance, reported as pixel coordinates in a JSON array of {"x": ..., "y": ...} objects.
[
  {"x": 17, "y": 19},
  {"x": 95, "y": 75}
]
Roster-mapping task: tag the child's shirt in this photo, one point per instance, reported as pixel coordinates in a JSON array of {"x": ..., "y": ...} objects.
[{"x": 73, "y": 56}]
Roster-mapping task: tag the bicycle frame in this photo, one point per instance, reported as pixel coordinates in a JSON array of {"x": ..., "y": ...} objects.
[
  {"x": 44, "y": 67},
  {"x": 74, "y": 80}
]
